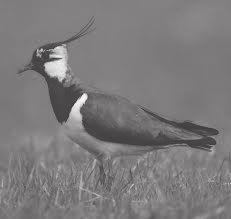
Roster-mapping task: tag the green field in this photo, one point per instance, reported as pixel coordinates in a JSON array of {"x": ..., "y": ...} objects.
[{"x": 61, "y": 182}]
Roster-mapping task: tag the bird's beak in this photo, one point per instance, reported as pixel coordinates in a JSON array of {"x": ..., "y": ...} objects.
[{"x": 25, "y": 68}]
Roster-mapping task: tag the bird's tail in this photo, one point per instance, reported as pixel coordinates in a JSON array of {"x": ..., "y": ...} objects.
[
  {"x": 198, "y": 129},
  {"x": 200, "y": 135},
  {"x": 187, "y": 125},
  {"x": 204, "y": 143}
]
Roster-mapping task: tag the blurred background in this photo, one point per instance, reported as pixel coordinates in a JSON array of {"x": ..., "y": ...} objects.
[{"x": 172, "y": 56}]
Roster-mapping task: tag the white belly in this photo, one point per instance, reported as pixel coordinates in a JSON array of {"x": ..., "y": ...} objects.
[{"x": 100, "y": 148}]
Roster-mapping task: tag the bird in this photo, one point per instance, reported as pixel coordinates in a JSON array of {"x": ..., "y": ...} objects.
[{"x": 108, "y": 125}]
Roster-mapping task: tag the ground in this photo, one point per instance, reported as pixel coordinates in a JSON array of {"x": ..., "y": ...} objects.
[{"x": 175, "y": 183}]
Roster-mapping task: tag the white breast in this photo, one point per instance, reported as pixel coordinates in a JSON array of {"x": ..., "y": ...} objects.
[
  {"x": 74, "y": 121},
  {"x": 74, "y": 129}
]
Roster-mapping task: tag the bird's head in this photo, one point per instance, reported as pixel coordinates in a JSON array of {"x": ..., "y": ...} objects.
[{"x": 50, "y": 60}]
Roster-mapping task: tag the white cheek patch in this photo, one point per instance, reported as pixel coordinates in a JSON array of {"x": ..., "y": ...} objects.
[{"x": 56, "y": 69}]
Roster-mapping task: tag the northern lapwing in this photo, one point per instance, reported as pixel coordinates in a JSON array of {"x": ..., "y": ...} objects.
[{"x": 104, "y": 124}]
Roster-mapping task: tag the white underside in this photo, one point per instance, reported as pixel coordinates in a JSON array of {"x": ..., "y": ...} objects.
[{"x": 103, "y": 149}]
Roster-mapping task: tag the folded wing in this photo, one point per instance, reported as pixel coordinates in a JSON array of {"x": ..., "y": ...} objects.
[
  {"x": 187, "y": 125},
  {"x": 115, "y": 119}
]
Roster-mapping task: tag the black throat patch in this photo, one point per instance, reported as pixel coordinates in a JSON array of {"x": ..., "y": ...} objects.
[{"x": 62, "y": 98}]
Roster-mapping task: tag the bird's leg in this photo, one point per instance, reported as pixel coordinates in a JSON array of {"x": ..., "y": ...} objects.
[
  {"x": 102, "y": 175},
  {"x": 130, "y": 177}
]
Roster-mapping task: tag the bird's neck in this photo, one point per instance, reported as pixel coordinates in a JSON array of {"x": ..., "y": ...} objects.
[
  {"x": 70, "y": 78},
  {"x": 63, "y": 94}
]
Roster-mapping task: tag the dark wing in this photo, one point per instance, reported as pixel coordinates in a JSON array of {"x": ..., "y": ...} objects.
[
  {"x": 187, "y": 125},
  {"x": 115, "y": 119}
]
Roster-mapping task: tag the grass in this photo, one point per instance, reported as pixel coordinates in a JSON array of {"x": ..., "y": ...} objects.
[{"x": 177, "y": 183}]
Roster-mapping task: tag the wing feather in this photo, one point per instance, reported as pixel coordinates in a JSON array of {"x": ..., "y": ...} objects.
[{"x": 115, "y": 119}]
